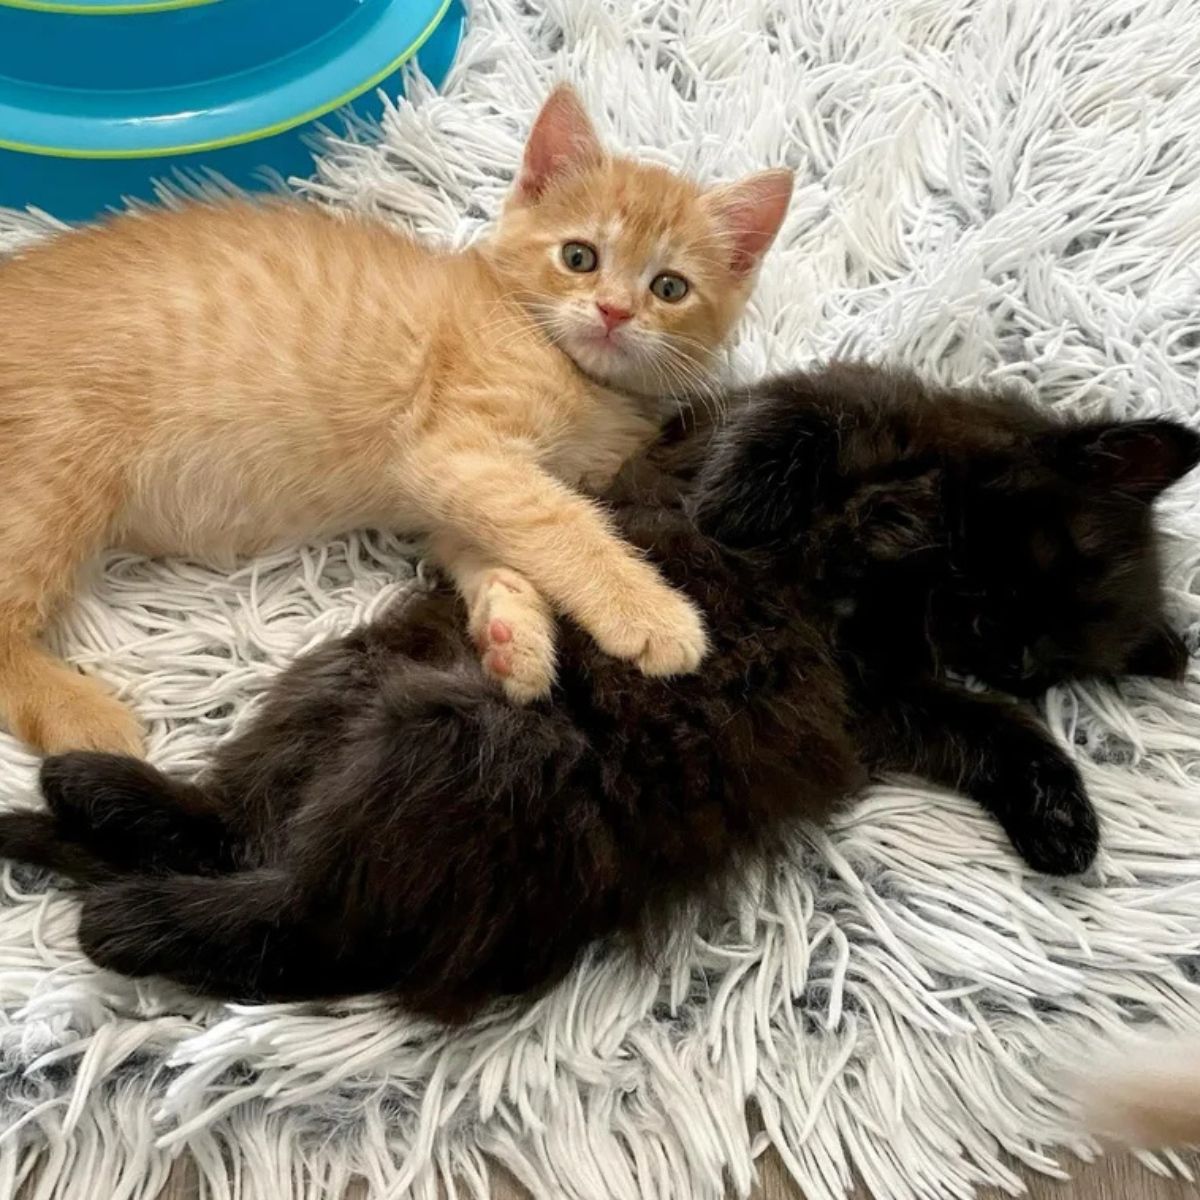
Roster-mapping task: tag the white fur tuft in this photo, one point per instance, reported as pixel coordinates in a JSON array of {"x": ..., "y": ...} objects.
[{"x": 1144, "y": 1092}]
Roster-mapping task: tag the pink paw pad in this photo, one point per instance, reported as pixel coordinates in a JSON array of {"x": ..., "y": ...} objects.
[
  {"x": 495, "y": 644},
  {"x": 497, "y": 662}
]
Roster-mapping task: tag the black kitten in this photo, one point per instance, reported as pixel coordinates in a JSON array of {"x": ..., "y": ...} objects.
[{"x": 389, "y": 823}]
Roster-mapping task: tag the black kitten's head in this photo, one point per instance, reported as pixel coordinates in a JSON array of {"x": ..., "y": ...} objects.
[
  {"x": 1052, "y": 566},
  {"x": 959, "y": 529}
]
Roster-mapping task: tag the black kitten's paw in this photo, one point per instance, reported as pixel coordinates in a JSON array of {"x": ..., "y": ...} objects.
[
  {"x": 82, "y": 786},
  {"x": 1049, "y": 817},
  {"x": 63, "y": 777},
  {"x": 134, "y": 817}
]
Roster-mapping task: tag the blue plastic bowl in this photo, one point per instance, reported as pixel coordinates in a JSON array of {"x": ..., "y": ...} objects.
[{"x": 98, "y": 98}]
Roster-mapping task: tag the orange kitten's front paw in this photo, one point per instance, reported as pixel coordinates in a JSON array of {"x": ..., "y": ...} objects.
[
  {"x": 665, "y": 637},
  {"x": 677, "y": 650},
  {"x": 514, "y": 631}
]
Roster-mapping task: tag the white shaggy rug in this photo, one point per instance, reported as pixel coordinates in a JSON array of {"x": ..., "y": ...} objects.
[{"x": 986, "y": 189}]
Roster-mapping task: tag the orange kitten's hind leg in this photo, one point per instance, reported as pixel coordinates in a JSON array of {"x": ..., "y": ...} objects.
[
  {"x": 53, "y": 708},
  {"x": 510, "y": 623},
  {"x": 48, "y": 527}
]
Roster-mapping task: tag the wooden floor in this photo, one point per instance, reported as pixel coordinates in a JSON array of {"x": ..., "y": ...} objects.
[{"x": 1118, "y": 1177}]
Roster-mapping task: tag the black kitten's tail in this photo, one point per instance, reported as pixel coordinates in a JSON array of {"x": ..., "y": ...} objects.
[
  {"x": 243, "y": 936},
  {"x": 35, "y": 838}
]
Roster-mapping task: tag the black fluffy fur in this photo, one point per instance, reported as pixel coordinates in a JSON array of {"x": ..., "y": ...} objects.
[{"x": 389, "y": 823}]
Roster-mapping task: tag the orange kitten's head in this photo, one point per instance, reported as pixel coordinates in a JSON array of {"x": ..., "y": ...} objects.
[{"x": 637, "y": 273}]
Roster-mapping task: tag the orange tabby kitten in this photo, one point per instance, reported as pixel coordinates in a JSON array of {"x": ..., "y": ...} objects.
[{"x": 215, "y": 381}]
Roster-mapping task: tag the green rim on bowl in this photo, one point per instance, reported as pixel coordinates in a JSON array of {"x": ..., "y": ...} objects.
[
  {"x": 280, "y": 97},
  {"x": 103, "y": 8}
]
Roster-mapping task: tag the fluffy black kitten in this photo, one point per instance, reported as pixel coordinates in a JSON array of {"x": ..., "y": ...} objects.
[{"x": 389, "y": 823}]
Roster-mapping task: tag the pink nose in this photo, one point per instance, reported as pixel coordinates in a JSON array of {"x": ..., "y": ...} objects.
[{"x": 612, "y": 315}]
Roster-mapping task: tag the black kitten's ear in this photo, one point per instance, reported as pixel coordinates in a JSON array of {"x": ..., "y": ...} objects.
[
  {"x": 1162, "y": 655},
  {"x": 1141, "y": 458}
]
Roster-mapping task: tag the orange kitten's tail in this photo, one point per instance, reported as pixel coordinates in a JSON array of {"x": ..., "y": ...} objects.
[{"x": 1145, "y": 1095}]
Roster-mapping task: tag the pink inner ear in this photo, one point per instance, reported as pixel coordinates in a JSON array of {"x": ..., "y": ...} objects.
[
  {"x": 752, "y": 211},
  {"x": 561, "y": 140}
]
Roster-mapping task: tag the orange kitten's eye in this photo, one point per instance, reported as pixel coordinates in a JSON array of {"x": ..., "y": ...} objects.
[
  {"x": 579, "y": 256},
  {"x": 668, "y": 287}
]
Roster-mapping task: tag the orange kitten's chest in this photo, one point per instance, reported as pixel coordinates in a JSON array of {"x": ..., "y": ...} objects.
[
  {"x": 611, "y": 429},
  {"x": 513, "y": 386}
]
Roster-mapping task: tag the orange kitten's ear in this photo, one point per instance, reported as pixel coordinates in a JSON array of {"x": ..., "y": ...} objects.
[
  {"x": 752, "y": 211},
  {"x": 562, "y": 140}
]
